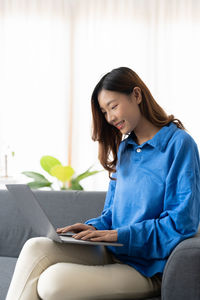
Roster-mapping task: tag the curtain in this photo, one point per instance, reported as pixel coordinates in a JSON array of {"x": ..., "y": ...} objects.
[
  {"x": 52, "y": 54},
  {"x": 34, "y": 80},
  {"x": 159, "y": 39}
]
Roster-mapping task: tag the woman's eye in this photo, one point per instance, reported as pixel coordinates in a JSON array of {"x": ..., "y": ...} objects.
[{"x": 114, "y": 106}]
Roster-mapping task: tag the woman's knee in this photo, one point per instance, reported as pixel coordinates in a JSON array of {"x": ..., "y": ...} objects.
[
  {"x": 37, "y": 245},
  {"x": 52, "y": 284},
  {"x": 73, "y": 281},
  {"x": 64, "y": 281}
]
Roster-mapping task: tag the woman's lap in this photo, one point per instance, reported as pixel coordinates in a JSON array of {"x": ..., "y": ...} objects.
[{"x": 78, "y": 271}]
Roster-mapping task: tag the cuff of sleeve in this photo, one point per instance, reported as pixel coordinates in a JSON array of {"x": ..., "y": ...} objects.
[
  {"x": 123, "y": 236},
  {"x": 97, "y": 224},
  {"x": 90, "y": 224}
]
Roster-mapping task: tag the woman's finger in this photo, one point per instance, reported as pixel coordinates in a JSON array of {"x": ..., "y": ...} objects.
[
  {"x": 75, "y": 227},
  {"x": 84, "y": 234},
  {"x": 78, "y": 227},
  {"x": 88, "y": 234},
  {"x": 64, "y": 229},
  {"x": 104, "y": 235},
  {"x": 59, "y": 230},
  {"x": 99, "y": 239}
]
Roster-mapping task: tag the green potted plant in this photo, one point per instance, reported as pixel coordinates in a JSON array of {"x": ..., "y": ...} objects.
[{"x": 64, "y": 174}]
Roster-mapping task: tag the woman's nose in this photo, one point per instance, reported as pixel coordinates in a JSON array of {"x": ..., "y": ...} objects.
[{"x": 110, "y": 117}]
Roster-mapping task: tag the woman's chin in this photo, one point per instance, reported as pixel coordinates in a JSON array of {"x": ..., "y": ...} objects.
[{"x": 125, "y": 131}]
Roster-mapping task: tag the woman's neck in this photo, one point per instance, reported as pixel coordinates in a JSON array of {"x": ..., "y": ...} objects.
[{"x": 145, "y": 131}]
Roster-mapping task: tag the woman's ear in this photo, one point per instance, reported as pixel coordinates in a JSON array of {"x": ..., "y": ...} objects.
[{"x": 137, "y": 94}]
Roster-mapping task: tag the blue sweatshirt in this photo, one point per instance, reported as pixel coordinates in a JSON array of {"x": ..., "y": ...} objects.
[{"x": 154, "y": 201}]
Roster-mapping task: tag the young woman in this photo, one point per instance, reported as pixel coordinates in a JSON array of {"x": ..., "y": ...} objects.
[{"x": 152, "y": 204}]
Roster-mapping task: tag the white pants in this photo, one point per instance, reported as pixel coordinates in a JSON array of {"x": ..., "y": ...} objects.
[{"x": 53, "y": 271}]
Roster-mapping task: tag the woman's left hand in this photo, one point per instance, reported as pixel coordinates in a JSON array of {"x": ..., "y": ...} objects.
[{"x": 97, "y": 235}]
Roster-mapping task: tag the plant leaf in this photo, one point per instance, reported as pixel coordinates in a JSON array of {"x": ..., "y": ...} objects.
[
  {"x": 48, "y": 162},
  {"x": 86, "y": 174},
  {"x": 35, "y": 176},
  {"x": 39, "y": 184},
  {"x": 75, "y": 185},
  {"x": 39, "y": 180},
  {"x": 62, "y": 173}
]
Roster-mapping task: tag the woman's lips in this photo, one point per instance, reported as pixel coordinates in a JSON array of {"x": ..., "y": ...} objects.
[{"x": 120, "y": 125}]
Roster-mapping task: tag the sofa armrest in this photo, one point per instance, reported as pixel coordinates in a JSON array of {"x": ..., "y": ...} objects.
[{"x": 181, "y": 277}]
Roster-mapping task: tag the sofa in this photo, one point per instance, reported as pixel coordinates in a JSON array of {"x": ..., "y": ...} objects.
[{"x": 181, "y": 278}]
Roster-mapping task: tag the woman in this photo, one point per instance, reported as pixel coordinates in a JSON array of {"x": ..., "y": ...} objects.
[{"x": 152, "y": 204}]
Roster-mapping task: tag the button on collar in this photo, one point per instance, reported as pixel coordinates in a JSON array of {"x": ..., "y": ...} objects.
[{"x": 139, "y": 150}]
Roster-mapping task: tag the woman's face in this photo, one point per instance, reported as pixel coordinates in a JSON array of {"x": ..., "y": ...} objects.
[{"x": 121, "y": 110}]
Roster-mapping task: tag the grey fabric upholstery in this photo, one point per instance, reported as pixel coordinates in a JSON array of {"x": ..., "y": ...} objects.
[
  {"x": 62, "y": 208},
  {"x": 7, "y": 265},
  {"x": 13, "y": 231},
  {"x": 181, "y": 279}
]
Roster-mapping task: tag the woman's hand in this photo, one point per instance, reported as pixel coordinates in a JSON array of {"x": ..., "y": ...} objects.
[
  {"x": 97, "y": 235},
  {"x": 78, "y": 227}
]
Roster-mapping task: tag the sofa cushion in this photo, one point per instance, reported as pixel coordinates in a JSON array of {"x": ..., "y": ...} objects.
[
  {"x": 65, "y": 208},
  {"x": 13, "y": 229},
  {"x": 7, "y": 266},
  {"x": 62, "y": 208}
]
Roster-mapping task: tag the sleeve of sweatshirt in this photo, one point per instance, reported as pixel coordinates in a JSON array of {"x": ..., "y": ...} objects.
[
  {"x": 104, "y": 221},
  {"x": 156, "y": 238}
]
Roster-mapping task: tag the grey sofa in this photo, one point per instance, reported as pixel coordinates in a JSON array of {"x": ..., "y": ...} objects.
[{"x": 181, "y": 278}]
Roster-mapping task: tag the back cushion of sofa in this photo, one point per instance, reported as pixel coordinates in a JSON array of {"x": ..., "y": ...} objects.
[
  {"x": 62, "y": 208},
  {"x": 13, "y": 230},
  {"x": 68, "y": 207}
]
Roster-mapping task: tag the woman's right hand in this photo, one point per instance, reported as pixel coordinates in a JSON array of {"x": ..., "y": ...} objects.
[{"x": 78, "y": 227}]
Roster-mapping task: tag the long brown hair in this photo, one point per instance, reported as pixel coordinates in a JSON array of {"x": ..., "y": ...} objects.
[{"x": 122, "y": 80}]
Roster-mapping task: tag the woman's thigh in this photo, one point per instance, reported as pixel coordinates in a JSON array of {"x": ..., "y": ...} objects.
[
  {"x": 69, "y": 281},
  {"x": 36, "y": 248}
]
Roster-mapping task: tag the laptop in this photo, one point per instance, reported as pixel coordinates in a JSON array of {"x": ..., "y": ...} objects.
[{"x": 33, "y": 213}]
